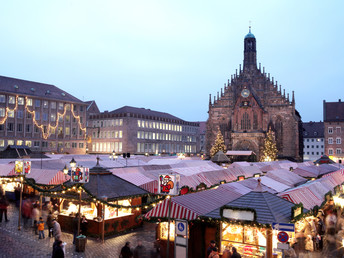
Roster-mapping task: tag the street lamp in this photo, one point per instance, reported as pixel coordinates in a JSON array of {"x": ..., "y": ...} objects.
[
  {"x": 72, "y": 163},
  {"x": 65, "y": 171}
]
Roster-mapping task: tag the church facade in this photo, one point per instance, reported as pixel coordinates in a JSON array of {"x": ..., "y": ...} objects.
[{"x": 251, "y": 103}]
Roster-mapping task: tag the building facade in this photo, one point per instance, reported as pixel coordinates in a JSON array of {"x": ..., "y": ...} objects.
[
  {"x": 41, "y": 116},
  {"x": 202, "y": 138},
  {"x": 141, "y": 131},
  {"x": 313, "y": 140},
  {"x": 333, "y": 129},
  {"x": 248, "y": 105}
]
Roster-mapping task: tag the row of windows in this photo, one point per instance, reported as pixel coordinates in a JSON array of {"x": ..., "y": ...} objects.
[
  {"x": 313, "y": 153},
  {"x": 107, "y": 147},
  {"x": 165, "y": 136},
  {"x": 107, "y": 135},
  {"x": 45, "y": 115},
  {"x": 166, "y": 126},
  {"x": 164, "y": 148},
  {"x": 108, "y": 123},
  {"x": 312, "y": 140},
  {"x": 338, "y": 151},
  {"x": 316, "y": 146},
  {"x": 330, "y": 130},
  {"x": 338, "y": 140},
  {"x": 37, "y": 102},
  {"x": 37, "y": 144},
  {"x": 11, "y": 127}
]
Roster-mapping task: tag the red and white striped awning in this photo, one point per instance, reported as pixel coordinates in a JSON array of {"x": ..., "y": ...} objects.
[
  {"x": 47, "y": 176},
  {"x": 177, "y": 211}
]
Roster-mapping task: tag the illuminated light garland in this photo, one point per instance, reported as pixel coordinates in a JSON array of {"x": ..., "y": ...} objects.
[
  {"x": 78, "y": 118},
  {"x": 7, "y": 110}
]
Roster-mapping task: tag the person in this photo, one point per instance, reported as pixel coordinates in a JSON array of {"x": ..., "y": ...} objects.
[
  {"x": 26, "y": 211},
  {"x": 75, "y": 227},
  {"x": 214, "y": 253},
  {"x": 3, "y": 207},
  {"x": 140, "y": 250},
  {"x": 227, "y": 252},
  {"x": 235, "y": 254},
  {"x": 155, "y": 252},
  {"x": 83, "y": 225},
  {"x": 126, "y": 251},
  {"x": 210, "y": 247},
  {"x": 50, "y": 223},
  {"x": 35, "y": 217},
  {"x": 40, "y": 226},
  {"x": 56, "y": 229},
  {"x": 57, "y": 249}
]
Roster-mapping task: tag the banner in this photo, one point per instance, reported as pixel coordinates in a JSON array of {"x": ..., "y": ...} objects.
[
  {"x": 80, "y": 175},
  {"x": 169, "y": 184},
  {"x": 22, "y": 167}
]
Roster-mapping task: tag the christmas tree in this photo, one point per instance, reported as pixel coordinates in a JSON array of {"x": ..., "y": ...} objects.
[
  {"x": 269, "y": 152},
  {"x": 219, "y": 145}
]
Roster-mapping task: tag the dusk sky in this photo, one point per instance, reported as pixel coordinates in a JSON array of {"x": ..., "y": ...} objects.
[{"x": 170, "y": 55}]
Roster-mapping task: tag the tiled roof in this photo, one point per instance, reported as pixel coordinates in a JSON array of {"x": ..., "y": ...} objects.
[
  {"x": 269, "y": 207},
  {"x": 313, "y": 129},
  {"x": 333, "y": 111},
  {"x": 144, "y": 111},
  {"x": 34, "y": 89}
]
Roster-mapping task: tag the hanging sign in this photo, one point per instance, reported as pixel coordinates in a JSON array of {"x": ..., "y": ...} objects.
[
  {"x": 169, "y": 184},
  {"x": 80, "y": 175},
  {"x": 22, "y": 167}
]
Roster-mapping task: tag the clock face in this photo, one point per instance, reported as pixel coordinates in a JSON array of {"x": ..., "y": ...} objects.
[{"x": 245, "y": 93}]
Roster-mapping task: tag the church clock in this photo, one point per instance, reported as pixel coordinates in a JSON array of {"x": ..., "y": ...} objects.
[{"x": 245, "y": 93}]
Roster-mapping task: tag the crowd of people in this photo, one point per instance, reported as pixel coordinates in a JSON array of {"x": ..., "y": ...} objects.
[
  {"x": 228, "y": 252},
  {"x": 140, "y": 251}
]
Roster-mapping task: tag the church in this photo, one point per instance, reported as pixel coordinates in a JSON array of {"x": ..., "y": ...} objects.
[{"x": 251, "y": 103}]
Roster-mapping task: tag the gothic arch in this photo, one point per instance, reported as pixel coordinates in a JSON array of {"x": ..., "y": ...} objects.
[{"x": 246, "y": 145}]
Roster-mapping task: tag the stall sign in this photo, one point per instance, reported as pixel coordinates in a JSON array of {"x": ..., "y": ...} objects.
[
  {"x": 283, "y": 227},
  {"x": 238, "y": 214},
  {"x": 22, "y": 167},
  {"x": 80, "y": 175},
  {"x": 169, "y": 184}
]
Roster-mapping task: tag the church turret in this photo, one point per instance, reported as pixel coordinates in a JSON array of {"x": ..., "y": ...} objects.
[{"x": 250, "y": 53}]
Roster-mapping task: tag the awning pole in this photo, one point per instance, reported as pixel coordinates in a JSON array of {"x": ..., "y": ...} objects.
[{"x": 168, "y": 231}]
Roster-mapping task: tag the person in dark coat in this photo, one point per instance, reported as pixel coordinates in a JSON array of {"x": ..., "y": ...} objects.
[
  {"x": 140, "y": 251},
  {"x": 50, "y": 223},
  {"x": 126, "y": 251},
  {"x": 75, "y": 227},
  {"x": 83, "y": 225},
  {"x": 211, "y": 247},
  {"x": 235, "y": 254},
  {"x": 3, "y": 207},
  {"x": 57, "y": 249}
]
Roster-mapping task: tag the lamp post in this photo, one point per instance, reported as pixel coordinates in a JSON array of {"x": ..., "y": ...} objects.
[{"x": 65, "y": 171}]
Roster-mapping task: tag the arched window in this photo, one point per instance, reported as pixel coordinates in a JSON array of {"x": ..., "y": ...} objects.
[{"x": 245, "y": 122}]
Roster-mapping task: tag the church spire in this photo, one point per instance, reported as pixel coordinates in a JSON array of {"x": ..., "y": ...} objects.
[{"x": 250, "y": 53}]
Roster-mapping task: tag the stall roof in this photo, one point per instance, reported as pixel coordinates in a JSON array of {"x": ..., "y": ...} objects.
[
  {"x": 239, "y": 153},
  {"x": 302, "y": 195},
  {"x": 269, "y": 208},
  {"x": 47, "y": 176},
  {"x": 269, "y": 182},
  {"x": 252, "y": 184},
  {"x": 286, "y": 177}
]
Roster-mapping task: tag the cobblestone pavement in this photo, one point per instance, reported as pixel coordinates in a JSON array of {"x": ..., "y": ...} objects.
[{"x": 25, "y": 243}]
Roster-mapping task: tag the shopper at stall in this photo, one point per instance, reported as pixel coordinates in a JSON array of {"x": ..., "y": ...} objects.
[
  {"x": 227, "y": 252},
  {"x": 126, "y": 251},
  {"x": 56, "y": 229},
  {"x": 83, "y": 225},
  {"x": 75, "y": 227},
  {"x": 3, "y": 207},
  {"x": 235, "y": 254},
  {"x": 210, "y": 247}
]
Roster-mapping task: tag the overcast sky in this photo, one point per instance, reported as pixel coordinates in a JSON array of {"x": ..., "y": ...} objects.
[{"x": 170, "y": 55}]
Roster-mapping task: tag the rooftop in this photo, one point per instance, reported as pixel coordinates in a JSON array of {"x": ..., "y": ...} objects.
[{"x": 313, "y": 129}]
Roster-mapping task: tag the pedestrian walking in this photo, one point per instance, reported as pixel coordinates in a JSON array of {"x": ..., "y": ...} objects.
[
  {"x": 35, "y": 217},
  {"x": 58, "y": 249},
  {"x": 40, "y": 226},
  {"x": 126, "y": 251},
  {"x": 56, "y": 229},
  {"x": 50, "y": 223},
  {"x": 3, "y": 207},
  {"x": 140, "y": 251},
  {"x": 26, "y": 211}
]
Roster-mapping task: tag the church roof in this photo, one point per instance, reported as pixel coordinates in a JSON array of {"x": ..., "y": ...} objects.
[{"x": 250, "y": 35}]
